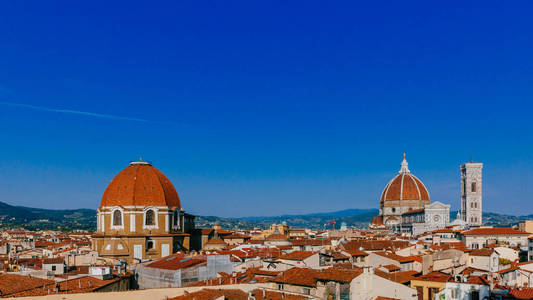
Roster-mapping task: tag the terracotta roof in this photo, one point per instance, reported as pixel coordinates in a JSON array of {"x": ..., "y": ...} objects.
[
  {"x": 297, "y": 276},
  {"x": 276, "y": 237},
  {"x": 415, "y": 258},
  {"x": 413, "y": 211},
  {"x": 78, "y": 285},
  {"x": 11, "y": 283},
  {"x": 377, "y": 220},
  {"x": 481, "y": 252},
  {"x": 405, "y": 186},
  {"x": 310, "y": 242},
  {"x": 434, "y": 277},
  {"x": 216, "y": 241},
  {"x": 339, "y": 256},
  {"x": 399, "y": 277},
  {"x": 494, "y": 231},
  {"x": 140, "y": 184},
  {"x": 398, "y": 258},
  {"x": 338, "y": 274},
  {"x": 356, "y": 252},
  {"x": 235, "y": 294},
  {"x": 373, "y": 245},
  {"x": 297, "y": 255},
  {"x": 57, "y": 260},
  {"x": 391, "y": 268},
  {"x": 522, "y": 293}
]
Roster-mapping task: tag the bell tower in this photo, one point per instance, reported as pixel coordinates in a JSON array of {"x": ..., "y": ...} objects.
[{"x": 471, "y": 193}]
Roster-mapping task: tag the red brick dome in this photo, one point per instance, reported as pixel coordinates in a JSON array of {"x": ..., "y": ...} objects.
[
  {"x": 140, "y": 184},
  {"x": 404, "y": 186}
]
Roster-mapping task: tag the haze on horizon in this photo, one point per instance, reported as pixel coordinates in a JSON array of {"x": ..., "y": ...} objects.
[{"x": 261, "y": 109}]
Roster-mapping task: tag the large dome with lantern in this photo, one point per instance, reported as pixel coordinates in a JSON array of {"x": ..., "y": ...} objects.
[{"x": 140, "y": 184}]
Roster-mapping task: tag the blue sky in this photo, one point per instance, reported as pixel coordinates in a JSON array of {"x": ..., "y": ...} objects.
[{"x": 265, "y": 108}]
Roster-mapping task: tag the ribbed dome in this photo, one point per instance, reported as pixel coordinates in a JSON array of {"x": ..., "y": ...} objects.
[
  {"x": 140, "y": 184},
  {"x": 404, "y": 186}
]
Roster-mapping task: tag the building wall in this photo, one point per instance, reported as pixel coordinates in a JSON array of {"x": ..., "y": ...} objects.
[
  {"x": 487, "y": 263},
  {"x": 369, "y": 286},
  {"x": 526, "y": 226},
  {"x": 426, "y": 286},
  {"x": 463, "y": 291},
  {"x": 480, "y": 241}
]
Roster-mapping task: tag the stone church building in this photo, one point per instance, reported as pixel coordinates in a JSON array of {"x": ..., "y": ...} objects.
[
  {"x": 405, "y": 206},
  {"x": 141, "y": 217}
]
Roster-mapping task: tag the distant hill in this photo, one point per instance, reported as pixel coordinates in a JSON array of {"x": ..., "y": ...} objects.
[
  {"x": 358, "y": 218},
  {"x": 38, "y": 218},
  {"x": 85, "y": 219}
]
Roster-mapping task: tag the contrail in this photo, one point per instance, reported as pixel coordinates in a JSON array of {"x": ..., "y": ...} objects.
[{"x": 75, "y": 112}]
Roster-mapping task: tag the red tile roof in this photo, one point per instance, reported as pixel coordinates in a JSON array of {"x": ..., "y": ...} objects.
[
  {"x": 297, "y": 255},
  {"x": 235, "y": 294},
  {"x": 374, "y": 245},
  {"x": 398, "y": 258},
  {"x": 216, "y": 241},
  {"x": 297, "y": 276},
  {"x": 434, "y": 277},
  {"x": 522, "y": 293},
  {"x": 481, "y": 252},
  {"x": 391, "y": 267},
  {"x": 11, "y": 283},
  {"x": 143, "y": 185},
  {"x": 494, "y": 231},
  {"x": 405, "y": 186}
]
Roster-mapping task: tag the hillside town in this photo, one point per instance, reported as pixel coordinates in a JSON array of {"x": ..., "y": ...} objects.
[{"x": 146, "y": 246}]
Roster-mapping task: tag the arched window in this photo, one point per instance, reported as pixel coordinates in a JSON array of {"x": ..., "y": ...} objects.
[
  {"x": 150, "y": 218},
  {"x": 117, "y": 218},
  {"x": 473, "y": 187}
]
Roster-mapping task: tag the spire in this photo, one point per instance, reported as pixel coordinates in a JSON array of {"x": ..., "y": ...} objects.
[{"x": 404, "y": 168}]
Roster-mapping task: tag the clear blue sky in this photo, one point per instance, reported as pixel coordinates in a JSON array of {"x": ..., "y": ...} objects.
[{"x": 265, "y": 107}]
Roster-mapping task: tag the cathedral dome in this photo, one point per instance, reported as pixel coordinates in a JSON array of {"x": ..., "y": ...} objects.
[
  {"x": 140, "y": 184},
  {"x": 404, "y": 186}
]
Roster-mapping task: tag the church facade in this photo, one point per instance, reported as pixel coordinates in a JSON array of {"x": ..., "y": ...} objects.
[
  {"x": 405, "y": 206},
  {"x": 141, "y": 217}
]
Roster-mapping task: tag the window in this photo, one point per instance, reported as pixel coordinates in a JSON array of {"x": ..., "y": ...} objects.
[
  {"x": 53, "y": 268},
  {"x": 393, "y": 209},
  {"x": 306, "y": 291},
  {"x": 150, "y": 218},
  {"x": 175, "y": 219},
  {"x": 280, "y": 287},
  {"x": 471, "y": 204},
  {"x": 117, "y": 218},
  {"x": 454, "y": 294},
  {"x": 473, "y": 187},
  {"x": 149, "y": 245}
]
